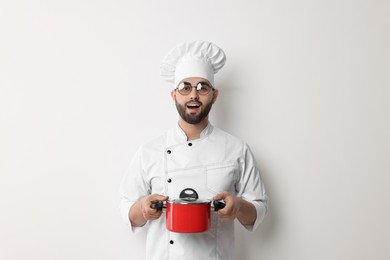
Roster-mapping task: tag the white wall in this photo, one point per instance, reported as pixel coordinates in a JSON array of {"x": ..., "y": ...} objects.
[{"x": 306, "y": 84}]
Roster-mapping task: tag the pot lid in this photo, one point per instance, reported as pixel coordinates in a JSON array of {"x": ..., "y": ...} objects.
[
  {"x": 189, "y": 196},
  {"x": 181, "y": 201}
]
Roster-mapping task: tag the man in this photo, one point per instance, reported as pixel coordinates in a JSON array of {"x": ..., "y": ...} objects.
[{"x": 194, "y": 155}]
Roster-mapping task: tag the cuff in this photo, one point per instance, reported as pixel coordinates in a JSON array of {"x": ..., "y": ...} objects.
[
  {"x": 261, "y": 210},
  {"x": 124, "y": 209}
]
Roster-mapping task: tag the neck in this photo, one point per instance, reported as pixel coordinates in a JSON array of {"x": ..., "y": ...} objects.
[{"x": 193, "y": 131}]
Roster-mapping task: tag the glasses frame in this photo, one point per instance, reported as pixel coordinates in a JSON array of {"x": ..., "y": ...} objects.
[{"x": 197, "y": 87}]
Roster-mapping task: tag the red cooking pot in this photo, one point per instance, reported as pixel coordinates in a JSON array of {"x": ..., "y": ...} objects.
[{"x": 188, "y": 214}]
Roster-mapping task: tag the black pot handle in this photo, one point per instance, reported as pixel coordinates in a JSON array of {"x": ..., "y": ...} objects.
[
  {"x": 189, "y": 194},
  {"x": 159, "y": 205},
  {"x": 218, "y": 205}
]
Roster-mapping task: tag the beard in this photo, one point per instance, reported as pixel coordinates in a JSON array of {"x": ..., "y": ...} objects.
[{"x": 193, "y": 118}]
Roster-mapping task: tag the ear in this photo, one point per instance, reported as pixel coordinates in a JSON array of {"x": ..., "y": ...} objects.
[
  {"x": 215, "y": 95},
  {"x": 173, "y": 95}
]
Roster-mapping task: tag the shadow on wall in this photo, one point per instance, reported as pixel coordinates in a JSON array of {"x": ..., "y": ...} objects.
[{"x": 248, "y": 245}]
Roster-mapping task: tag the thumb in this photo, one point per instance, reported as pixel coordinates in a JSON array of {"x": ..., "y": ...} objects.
[
  {"x": 219, "y": 196},
  {"x": 161, "y": 197},
  {"x": 157, "y": 197}
]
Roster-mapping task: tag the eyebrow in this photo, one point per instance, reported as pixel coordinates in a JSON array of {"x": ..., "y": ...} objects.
[{"x": 204, "y": 82}]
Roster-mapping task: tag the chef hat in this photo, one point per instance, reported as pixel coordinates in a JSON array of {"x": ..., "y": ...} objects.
[{"x": 192, "y": 59}]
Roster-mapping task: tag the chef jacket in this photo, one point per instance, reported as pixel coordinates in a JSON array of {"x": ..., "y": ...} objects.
[{"x": 214, "y": 163}]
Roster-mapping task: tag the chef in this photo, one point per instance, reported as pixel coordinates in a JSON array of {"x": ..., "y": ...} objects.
[{"x": 197, "y": 155}]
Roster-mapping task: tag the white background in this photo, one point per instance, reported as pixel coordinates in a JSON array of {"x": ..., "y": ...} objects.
[{"x": 306, "y": 84}]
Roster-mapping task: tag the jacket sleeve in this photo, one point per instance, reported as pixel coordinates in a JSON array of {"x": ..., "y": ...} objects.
[
  {"x": 251, "y": 187},
  {"x": 134, "y": 186}
]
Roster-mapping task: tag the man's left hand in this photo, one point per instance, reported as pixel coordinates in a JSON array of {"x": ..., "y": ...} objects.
[{"x": 232, "y": 205}]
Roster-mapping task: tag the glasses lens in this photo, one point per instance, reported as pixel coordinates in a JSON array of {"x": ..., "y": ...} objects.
[
  {"x": 184, "y": 88},
  {"x": 203, "y": 88}
]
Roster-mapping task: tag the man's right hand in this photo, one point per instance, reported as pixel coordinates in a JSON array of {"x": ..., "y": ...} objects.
[
  {"x": 149, "y": 213},
  {"x": 141, "y": 211}
]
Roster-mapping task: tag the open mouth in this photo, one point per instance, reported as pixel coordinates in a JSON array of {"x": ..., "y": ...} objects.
[{"x": 193, "y": 105}]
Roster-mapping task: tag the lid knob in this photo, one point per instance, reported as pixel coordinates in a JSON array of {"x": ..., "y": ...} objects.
[{"x": 189, "y": 194}]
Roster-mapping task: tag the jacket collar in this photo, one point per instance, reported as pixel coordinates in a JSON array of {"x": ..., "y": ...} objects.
[{"x": 179, "y": 136}]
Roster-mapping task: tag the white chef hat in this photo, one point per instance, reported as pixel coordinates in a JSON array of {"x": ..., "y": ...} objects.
[{"x": 192, "y": 59}]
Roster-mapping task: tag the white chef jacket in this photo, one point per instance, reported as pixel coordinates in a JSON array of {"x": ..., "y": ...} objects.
[{"x": 214, "y": 163}]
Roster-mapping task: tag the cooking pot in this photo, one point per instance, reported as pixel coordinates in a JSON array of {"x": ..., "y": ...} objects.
[{"x": 188, "y": 214}]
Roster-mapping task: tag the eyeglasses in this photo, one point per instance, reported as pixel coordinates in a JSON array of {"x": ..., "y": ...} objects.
[{"x": 185, "y": 88}]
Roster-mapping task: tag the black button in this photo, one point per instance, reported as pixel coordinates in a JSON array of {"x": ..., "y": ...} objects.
[
  {"x": 171, "y": 242},
  {"x": 169, "y": 151},
  {"x": 189, "y": 144},
  {"x": 169, "y": 180}
]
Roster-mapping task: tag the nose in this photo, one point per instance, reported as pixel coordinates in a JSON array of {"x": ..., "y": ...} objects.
[{"x": 194, "y": 93}]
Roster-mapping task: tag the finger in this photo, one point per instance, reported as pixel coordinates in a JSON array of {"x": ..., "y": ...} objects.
[
  {"x": 225, "y": 216},
  {"x": 220, "y": 196},
  {"x": 150, "y": 215},
  {"x": 158, "y": 197},
  {"x": 225, "y": 210},
  {"x": 154, "y": 198}
]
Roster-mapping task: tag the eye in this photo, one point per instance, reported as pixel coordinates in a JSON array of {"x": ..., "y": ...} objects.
[
  {"x": 203, "y": 87},
  {"x": 184, "y": 86},
  {"x": 187, "y": 88}
]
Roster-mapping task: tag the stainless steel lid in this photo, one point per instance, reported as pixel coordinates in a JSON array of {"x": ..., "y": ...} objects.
[
  {"x": 182, "y": 201},
  {"x": 189, "y": 196}
]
